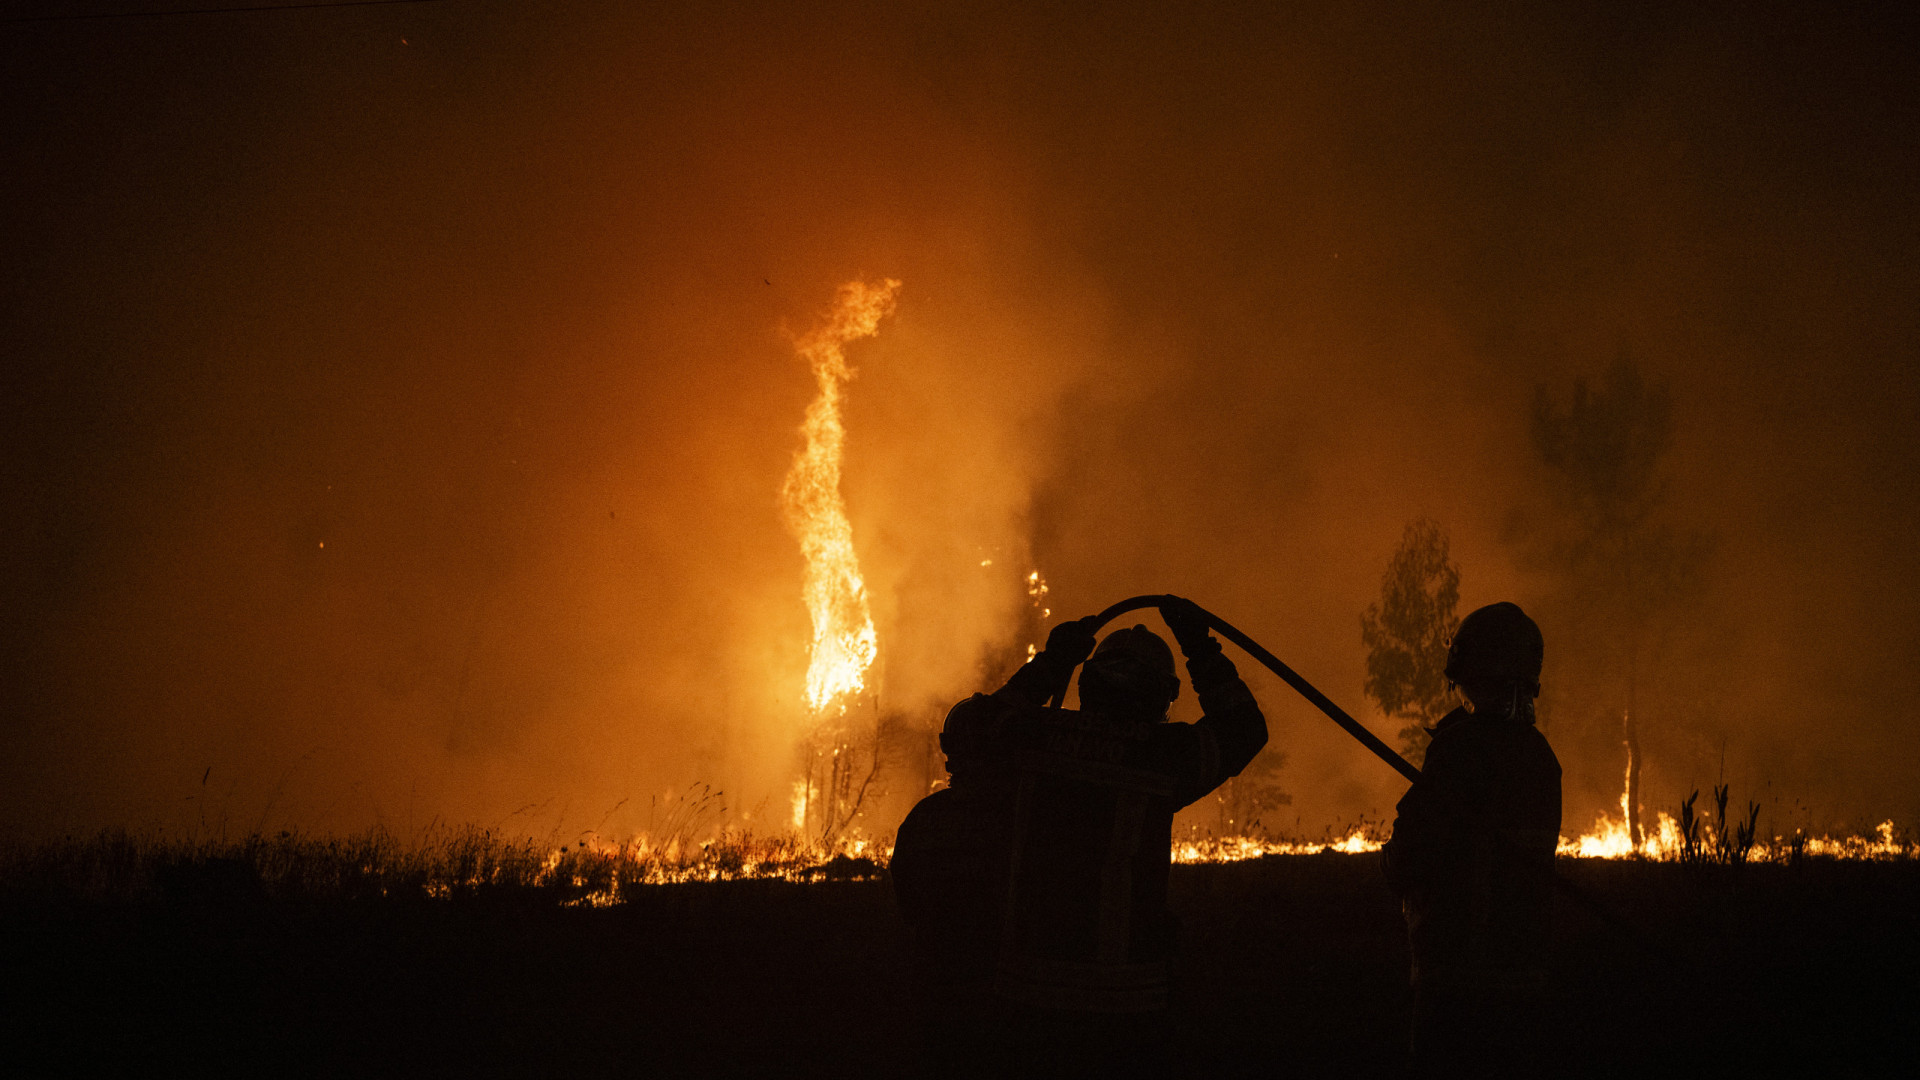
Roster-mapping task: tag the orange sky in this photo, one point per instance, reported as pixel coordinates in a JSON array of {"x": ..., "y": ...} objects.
[{"x": 399, "y": 398}]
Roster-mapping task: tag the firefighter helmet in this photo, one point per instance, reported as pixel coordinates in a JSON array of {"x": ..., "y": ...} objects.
[
  {"x": 1132, "y": 667},
  {"x": 1497, "y": 644}
]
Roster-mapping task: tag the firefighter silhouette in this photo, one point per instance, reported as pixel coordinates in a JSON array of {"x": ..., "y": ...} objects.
[
  {"x": 1472, "y": 857},
  {"x": 1036, "y": 882}
]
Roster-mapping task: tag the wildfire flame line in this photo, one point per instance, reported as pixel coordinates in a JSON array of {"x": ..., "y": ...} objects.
[{"x": 844, "y": 644}]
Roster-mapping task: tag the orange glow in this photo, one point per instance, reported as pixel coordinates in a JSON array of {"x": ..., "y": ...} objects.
[
  {"x": 844, "y": 644},
  {"x": 1358, "y": 841},
  {"x": 1608, "y": 839},
  {"x": 599, "y": 870},
  {"x": 1664, "y": 842}
]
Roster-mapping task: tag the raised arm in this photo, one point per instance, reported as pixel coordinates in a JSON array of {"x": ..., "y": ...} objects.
[
  {"x": 1068, "y": 646},
  {"x": 1231, "y": 729},
  {"x": 972, "y": 733}
]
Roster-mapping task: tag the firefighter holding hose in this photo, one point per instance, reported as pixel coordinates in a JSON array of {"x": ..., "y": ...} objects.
[
  {"x": 1472, "y": 856},
  {"x": 1036, "y": 882}
]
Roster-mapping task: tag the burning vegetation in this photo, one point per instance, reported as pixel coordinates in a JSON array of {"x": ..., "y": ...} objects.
[
  {"x": 408, "y": 442},
  {"x": 456, "y": 865},
  {"x": 839, "y": 746},
  {"x": 844, "y": 645},
  {"x": 826, "y": 795},
  {"x": 841, "y": 755}
]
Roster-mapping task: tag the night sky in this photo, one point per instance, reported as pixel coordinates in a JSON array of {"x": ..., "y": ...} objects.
[{"x": 397, "y": 398}]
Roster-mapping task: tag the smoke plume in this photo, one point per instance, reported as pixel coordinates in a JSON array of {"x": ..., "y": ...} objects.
[{"x": 399, "y": 399}]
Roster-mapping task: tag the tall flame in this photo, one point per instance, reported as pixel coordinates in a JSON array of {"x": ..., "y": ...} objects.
[{"x": 844, "y": 645}]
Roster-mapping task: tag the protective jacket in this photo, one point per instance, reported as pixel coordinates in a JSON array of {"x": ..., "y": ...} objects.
[
  {"x": 1472, "y": 853},
  {"x": 1042, "y": 868}
]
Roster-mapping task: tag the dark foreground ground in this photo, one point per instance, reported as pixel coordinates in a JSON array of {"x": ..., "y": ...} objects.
[{"x": 1293, "y": 967}]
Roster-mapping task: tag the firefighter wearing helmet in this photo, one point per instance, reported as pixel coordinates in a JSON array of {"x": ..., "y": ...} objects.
[
  {"x": 1472, "y": 855},
  {"x": 1036, "y": 882}
]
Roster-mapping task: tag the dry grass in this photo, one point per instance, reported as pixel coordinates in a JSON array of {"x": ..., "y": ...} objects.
[
  {"x": 120, "y": 866},
  {"x": 468, "y": 863}
]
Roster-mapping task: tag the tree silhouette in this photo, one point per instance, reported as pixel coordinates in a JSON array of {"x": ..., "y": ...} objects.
[
  {"x": 1407, "y": 631},
  {"x": 1619, "y": 565}
]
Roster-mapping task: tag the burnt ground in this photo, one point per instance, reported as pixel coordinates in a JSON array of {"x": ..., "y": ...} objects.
[{"x": 1292, "y": 967}]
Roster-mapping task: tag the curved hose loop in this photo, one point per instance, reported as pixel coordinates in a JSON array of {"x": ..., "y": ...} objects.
[{"x": 1253, "y": 648}]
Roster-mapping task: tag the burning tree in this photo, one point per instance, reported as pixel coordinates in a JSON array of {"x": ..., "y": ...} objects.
[
  {"x": 1621, "y": 568},
  {"x": 839, "y": 754},
  {"x": 1406, "y": 634}
]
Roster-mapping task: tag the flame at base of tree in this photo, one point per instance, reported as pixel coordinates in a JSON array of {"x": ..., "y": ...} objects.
[
  {"x": 1694, "y": 838},
  {"x": 1666, "y": 842},
  {"x": 839, "y": 761}
]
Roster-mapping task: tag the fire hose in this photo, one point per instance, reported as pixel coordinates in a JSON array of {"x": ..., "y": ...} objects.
[{"x": 1385, "y": 753}]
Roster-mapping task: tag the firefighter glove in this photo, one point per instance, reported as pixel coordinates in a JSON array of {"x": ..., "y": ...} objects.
[
  {"x": 1071, "y": 642},
  {"x": 1189, "y": 626}
]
